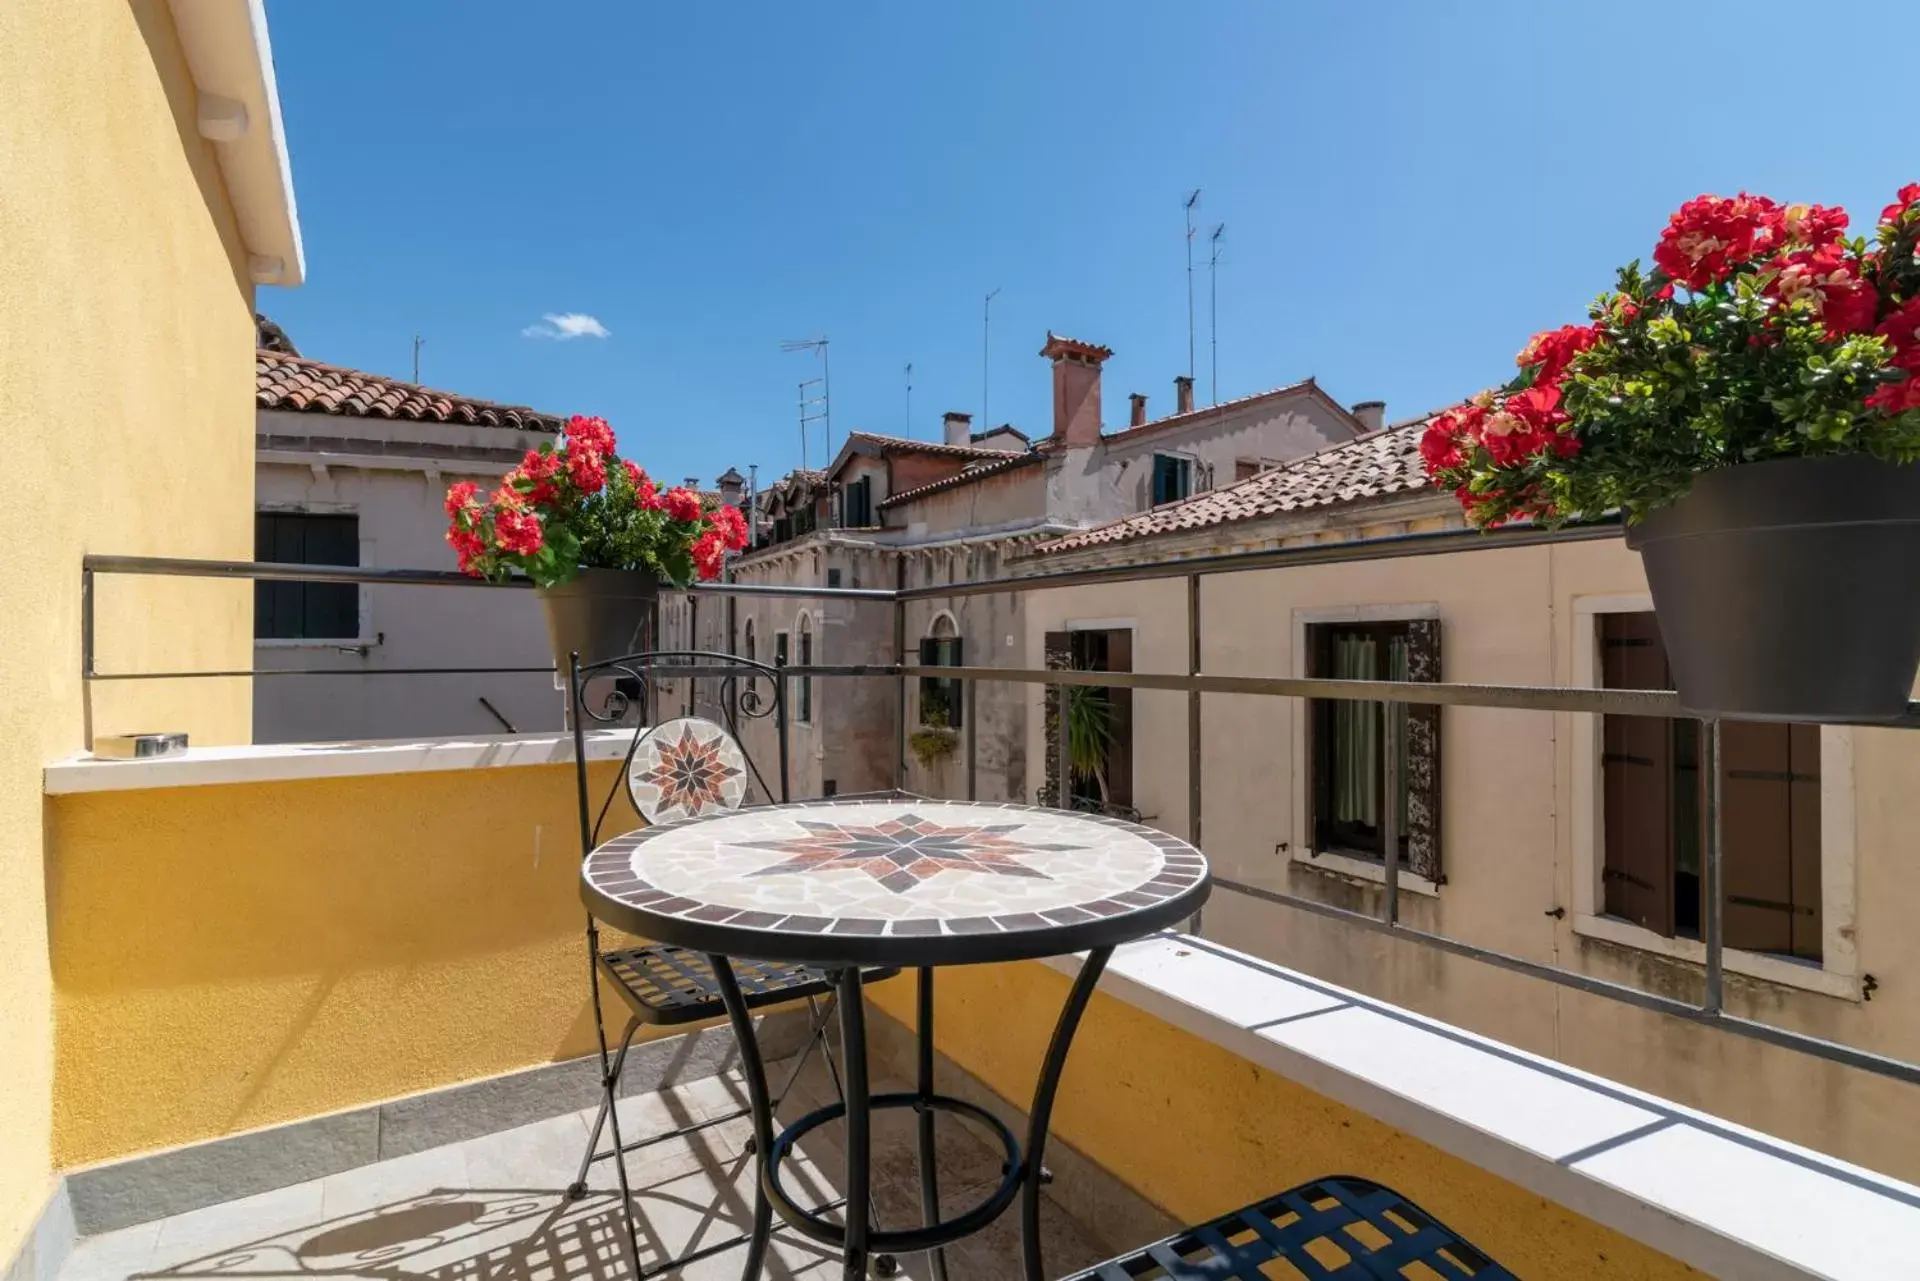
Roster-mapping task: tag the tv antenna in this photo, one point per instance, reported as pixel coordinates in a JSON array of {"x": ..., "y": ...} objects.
[
  {"x": 418, "y": 343},
  {"x": 1192, "y": 201},
  {"x": 1213, "y": 304},
  {"x": 986, "y": 350},
  {"x": 907, "y": 426},
  {"x": 814, "y": 409}
]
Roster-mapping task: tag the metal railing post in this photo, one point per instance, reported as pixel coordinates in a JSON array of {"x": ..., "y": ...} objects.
[
  {"x": 1063, "y": 756},
  {"x": 900, "y": 700},
  {"x": 1193, "y": 727},
  {"x": 1390, "y": 810},
  {"x": 973, "y": 758},
  {"x": 1713, "y": 912}
]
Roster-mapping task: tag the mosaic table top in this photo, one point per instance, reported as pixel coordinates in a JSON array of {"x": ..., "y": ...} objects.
[{"x": 895, "y": 881}]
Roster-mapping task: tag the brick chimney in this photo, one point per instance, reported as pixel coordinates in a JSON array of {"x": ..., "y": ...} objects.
[
  {"x": 958, "y": 428},
  {"x": 1182, "y": 395},
  {"x": 1137, "y": 410},
  {"x": 731, "y": 485},
  {"x": 1371, "y": 413},
  {"x": 1076, "y": 388}
]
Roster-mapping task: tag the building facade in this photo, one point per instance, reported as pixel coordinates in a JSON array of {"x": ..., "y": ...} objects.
[
  {"x": 353, "y": 469},
  {"x": 891, "y": 511},
  {"x": 1564, "y": 839}
]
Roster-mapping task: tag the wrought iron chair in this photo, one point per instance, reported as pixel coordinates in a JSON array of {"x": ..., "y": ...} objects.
[
  {"x": 1338, "y": 1228},
  {"x": 688, "y": 769}
]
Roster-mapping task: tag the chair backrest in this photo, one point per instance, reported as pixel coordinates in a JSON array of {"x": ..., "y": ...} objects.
[
  {"x": 602, "y": 693},
  {"x": 684, "y": 768}
]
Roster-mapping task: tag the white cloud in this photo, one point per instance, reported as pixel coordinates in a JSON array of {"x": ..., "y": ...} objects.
[{"x": 565, "y": 325}]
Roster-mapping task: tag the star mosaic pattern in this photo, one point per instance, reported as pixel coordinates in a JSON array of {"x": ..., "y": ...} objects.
[
  {"x": 857, "y": 879},
  {"x": 685, "y": 769},
  {"x": 902, "y": 852}
]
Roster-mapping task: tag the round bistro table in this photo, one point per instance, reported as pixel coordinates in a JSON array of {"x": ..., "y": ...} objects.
[{"x": 842, "y": 884}]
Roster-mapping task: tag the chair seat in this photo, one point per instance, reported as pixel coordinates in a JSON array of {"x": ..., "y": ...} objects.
[
  {"x": 668, "y": 985},
  {"x": 1359, "y": 1230}
]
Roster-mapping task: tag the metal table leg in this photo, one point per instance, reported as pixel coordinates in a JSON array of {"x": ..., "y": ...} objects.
[
  {"x": 755, "y": 1070},
  {"x": 929, "y": 1155},
  {"x": 1042, "y": 1113},
  {"x": 853, "y": 1054}
]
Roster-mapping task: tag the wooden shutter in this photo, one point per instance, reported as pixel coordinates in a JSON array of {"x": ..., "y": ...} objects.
[
  {"x": 1423, "y": 754},
  {"x": 1057, "y": 655},
  {"x": 1770, "y": 836},
  {"x": 1637, "y": 768}
]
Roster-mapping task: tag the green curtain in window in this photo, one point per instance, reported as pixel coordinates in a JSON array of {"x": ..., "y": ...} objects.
[{"x": 1357, "y": 726}]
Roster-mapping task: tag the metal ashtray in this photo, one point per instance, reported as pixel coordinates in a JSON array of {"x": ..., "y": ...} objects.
[{"x": 138, "y": 747}]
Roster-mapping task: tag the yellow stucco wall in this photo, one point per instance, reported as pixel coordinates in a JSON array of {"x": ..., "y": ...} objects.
[
  {"x": 237, "y": 956},
  {"x": 1200, "y": 1131},
  {"x": 126, "y": 402}
]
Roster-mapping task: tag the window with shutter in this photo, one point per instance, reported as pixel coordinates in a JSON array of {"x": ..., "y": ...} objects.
[
  {"x": 1347, "y": 744},
  {"x": 1654, "y": 819},
  {"x": 1172, "y": 478},
  {"x": 804, "y": 712},
  {"x": 306, "y": 611},
  {"x": 941, "y": 701}
]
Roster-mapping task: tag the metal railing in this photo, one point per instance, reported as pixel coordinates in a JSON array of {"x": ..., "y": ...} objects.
[{"x": 1710, "y": 1011}]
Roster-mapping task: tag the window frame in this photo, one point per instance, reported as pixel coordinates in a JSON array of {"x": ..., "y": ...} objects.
[
  {"x": 1183, "y": 466},
  {"x": 1301, "y": 849},
  {"x": 1838, "y": 973},
  {"x": 947, "y": 651},
  {"x": 805, "y": 635},
  {"x": 357, "y": 636}
]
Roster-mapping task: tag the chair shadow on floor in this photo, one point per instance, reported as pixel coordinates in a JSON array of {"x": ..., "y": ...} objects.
[{"x": 474, "y": 1234}]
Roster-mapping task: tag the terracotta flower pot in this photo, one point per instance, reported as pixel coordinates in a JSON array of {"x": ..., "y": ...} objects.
[
  {"x": 602, "y": 614},
  {"x": 1786, "y": 590}
]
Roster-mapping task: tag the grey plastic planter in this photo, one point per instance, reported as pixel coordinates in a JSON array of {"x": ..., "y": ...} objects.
[
  {"x": 1790, "y": 590},
  {"x": 602, "y": 614}
]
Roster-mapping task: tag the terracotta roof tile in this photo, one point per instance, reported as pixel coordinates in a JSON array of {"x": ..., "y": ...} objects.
[
  {"x": 297, "y": 385},
  {"x": 1371, "y": 466},
  {"x": 903, "y": 444},
  {"x": 979, "y": 471}
]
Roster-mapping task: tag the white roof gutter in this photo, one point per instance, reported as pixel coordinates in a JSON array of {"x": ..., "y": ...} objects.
[{"x": 231, "y": 61}]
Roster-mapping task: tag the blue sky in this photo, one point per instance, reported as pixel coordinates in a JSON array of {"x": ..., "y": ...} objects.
[{"x": 1410, "y": 190}]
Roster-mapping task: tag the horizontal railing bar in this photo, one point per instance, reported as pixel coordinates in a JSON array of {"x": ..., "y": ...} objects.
[
  {"x": 1525, "y": 698},
  {"x": 658, "y": 673},
  {"x": 179, "y": 567},
  {"x": 1394, "y": 547},
  {"x": 1847, "y": 1055},
  {"x": 1435, "y": 543}
]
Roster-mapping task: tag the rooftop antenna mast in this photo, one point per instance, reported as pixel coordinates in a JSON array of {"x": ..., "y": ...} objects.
[
  {"x": 1192, "y": 201},
  {"x": 1213, "y": 304},
  {"x": 818, "y": 409},
  {"x": 418, "y": 343},
  {"x": 907, "y": 426},
  {"x": 986, "y": 333}
]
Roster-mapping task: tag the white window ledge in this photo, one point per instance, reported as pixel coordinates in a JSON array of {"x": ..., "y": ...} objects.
[
  {"x": 1731, "y": 1201},
  {"x": 1364, "y": 869},
  {"x": 282, "y": 762},
  {"x": 1754, "y": 965},
  {"x": 305, "y": 642}
]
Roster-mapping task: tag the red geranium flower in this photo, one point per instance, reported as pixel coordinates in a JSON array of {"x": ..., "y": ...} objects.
[
  {"x": 518, "y": 531},
  {"x": 460, "y": 496},
  {"x": 1814, "y": 225},
  {"x": 1902, "y": 332},
  {"x": 587, "y": 470},
  {"x": 709, "y": 553},
  {"x": 590, "y": 434},
  {"x": 1829, "y": 279},
  {"x": 1897, "y": 398},
  {"x": 1906, "y": 198},
  {"x": 1440, "y": 443},
  {"x": 682, "y": 503},
  {"x": 1710, "y": 235},
  {"x": 1554, "y": 349}
]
